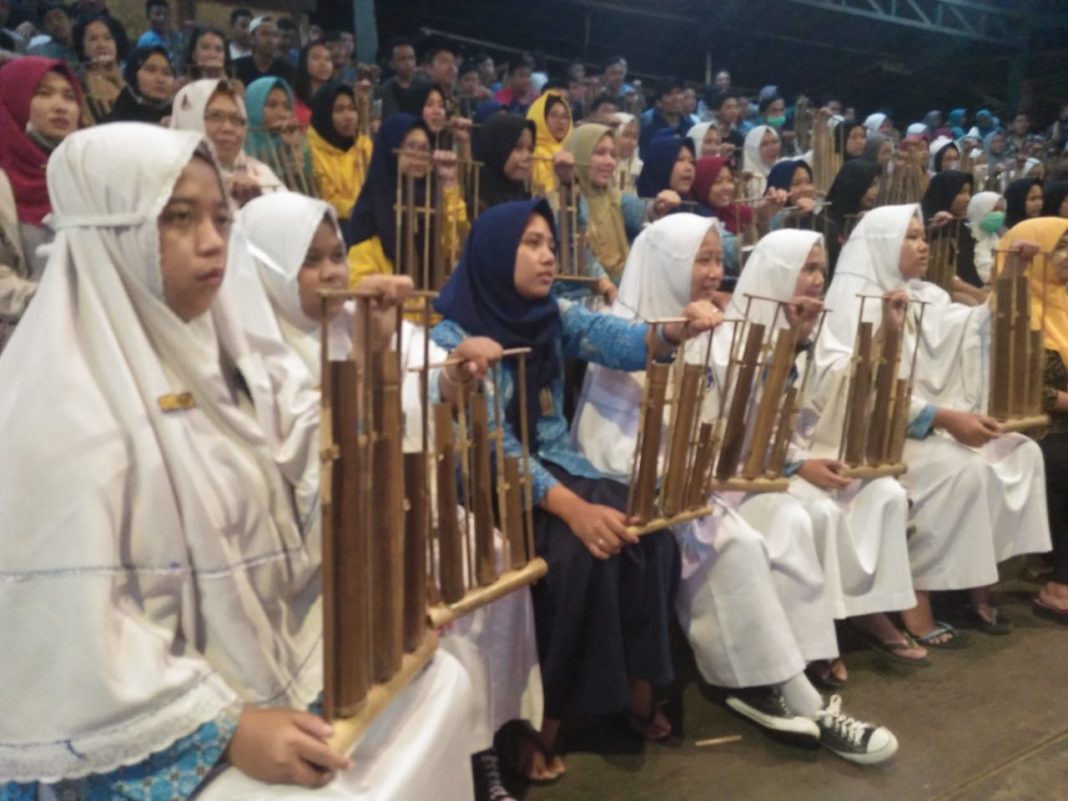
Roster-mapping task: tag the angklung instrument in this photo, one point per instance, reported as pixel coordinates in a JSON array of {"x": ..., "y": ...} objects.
[
  {"x": 1017, "y": 353},
  {"x": 738, "y": 443},
  {"x": 875, "y": 425},
  {"x": 409, "y": 535},
  {"x": 944, "y": 253},
  {"x": 428, "y": 238}
]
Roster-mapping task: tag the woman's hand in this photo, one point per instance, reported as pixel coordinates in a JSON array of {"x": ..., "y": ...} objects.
[
  {"x": 284, "y": 746},
  {"x": 479, "y": 354},
  {"x": 1021, "y": 252},
  {"x": 445, "y": 167},
  {"x": 701, "y": 316},
  {"x": 895, "y": 307},
  {"x": 564, "y": 166},
  {"x": 941, "y": 219},
  {"x": 824, "y": 473},
  {"x": 803, "y": 313},
  {"x": 664, "y": 202},
  {"x": 602, "y": 529},
  {"x": 461, "y": 128},
  {"x": 772, "y": 203},
  {"x": 607, "y": 290},
  {"x": 968, "y": 428},
  {"x": 243, "y": 188},
  {"x": 388, "y": 292}
]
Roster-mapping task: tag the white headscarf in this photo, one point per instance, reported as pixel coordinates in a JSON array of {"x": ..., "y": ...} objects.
[
  {"x": 696, "y": 134},
  {"x": 631, "y": 167},
  {"x": 158, "y": 569},
  {"x": 771, "y": 272},
  {"x": 981, "y": 204},
  {"x": 280, "y": 228},
  {"x": 754, "y": 163},
  {"x": 874, "y": 122},
  {"x": 656, "y": 283},
  {"x": 916, "y": 129},
  {"x": 936, "y": 147}
]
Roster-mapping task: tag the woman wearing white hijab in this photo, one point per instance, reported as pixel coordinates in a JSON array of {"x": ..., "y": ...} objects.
[
  {"x": 986, "y": 220},
  {"x": 977, "y": 498},
  {"x": 878, "y": 123},
  {"x": 628, "y": 162},
  {"x": 762, "y": 147},
  {"x": 751, "y": 605},
  {"x": 212, "y": 108},
  {"x": 297, "y": 247},
  {"x": 159, "y": 538}
]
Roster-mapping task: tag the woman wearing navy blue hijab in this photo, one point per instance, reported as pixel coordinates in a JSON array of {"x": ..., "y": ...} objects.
[
  {"x": 668, "y": 164},
  {"x": 602, "y": 612}
]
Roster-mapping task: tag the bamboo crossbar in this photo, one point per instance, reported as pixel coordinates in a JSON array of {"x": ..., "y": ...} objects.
[
  {"x": 455, "y": 361},
  {"x": 505, "y": 584},
  {"x": 660, "y": 523}
]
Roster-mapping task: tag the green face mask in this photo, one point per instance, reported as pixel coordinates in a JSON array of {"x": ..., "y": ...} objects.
[
  {"x": 993, "y": 222},
  {"x": 777, "y": 122}
]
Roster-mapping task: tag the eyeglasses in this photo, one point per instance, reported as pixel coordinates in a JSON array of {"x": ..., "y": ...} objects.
[
  {"x": 219, "y": 117},
  {"x": 416, "y": 150}
]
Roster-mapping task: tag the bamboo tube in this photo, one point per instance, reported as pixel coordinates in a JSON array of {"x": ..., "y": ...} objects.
[
  {"x": 513, "y": 512},
  {"x": 775, "y": 382},
  {"x": 438, "y": 268},
  {"x": 697, "y": 490},
  {"x": 734, "y": 437},
  {"x": 416, "y": 532},
  {"x": 777, "y": 461},
  {"x": 885, "y": 379},
  {"x": 466, "y": 486},
  {"x": 399, "y": 209},
  {"x": 411, "y": 253},
  {"x": 1021, "y": 337},
  {"x": 528, "y": 482},
  {"x": 564, "y": 228},
  {"x": 856, "y": 431},
  {"x": 388, "y": 546},
  {"x": 899, "y": 420},
  {"x": 1001, "y": 352},
  {"x": 686, "y": 411},
  {"x": 656, "y": 380},
  {"x": 347, "y": 599},
  {"x": 1037, "y": 368},
  {"x": 450, "y": 548},
  {"x": 485, "y": 559}
]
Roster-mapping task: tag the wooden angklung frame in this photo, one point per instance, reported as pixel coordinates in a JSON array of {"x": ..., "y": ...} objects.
[
  {"x": 944, "y": 253},
  {"x": 470, "y": 488},
  {"x": 408, "y": 536},
  {"x": 741, "y": 449},
  {"x": 376, "y": 637},
  {"x": 874, "y": 429},
  {"x": 1017, "y": 355}
]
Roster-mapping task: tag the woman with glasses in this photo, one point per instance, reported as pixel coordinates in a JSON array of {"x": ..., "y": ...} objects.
[{"x": 213, "y": 108}]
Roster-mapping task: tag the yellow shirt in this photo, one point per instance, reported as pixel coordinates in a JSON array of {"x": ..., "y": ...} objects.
[{"x": 339, "y": 173}]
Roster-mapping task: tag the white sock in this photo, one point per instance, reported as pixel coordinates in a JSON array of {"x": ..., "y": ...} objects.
[{"x": 801, "y": 696}]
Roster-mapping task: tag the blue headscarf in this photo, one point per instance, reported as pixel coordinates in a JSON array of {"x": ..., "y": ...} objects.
[
  {"x": 782, "y": 174},
  {"x": 373, "y": 214},
  {"x": 481, "y": 297},
  {"x": 955, "y": 121},
  {"x": 258, "y": 136},
  {"x": 486, "y": 109},
  {"x": 659, "y": 160}
]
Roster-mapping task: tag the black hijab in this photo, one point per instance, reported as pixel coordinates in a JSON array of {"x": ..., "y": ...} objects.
[
  {"x": 1052, "y": 197},
  {"x": 481, "y": 297},
  {"x": 493, "y": 144},
  {"x": 322, "y": 117},
  {"x": 841, "y": 135},
  {"x": 940, "y": 154},
  {"x": 302, "y": 81},
  {"x": 1016, "y": 200},
  {"x": 848, "y": 188},
  {"x": 131, "y": 105},
  {"x": 943, "y": 188},
  {"x": 373, "y": 214}
]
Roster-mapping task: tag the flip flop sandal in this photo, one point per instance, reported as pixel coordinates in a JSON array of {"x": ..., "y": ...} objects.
[
  {"x": 891, "y": 650},
  {"x": 641, "y": 725},
  {"x": 1042, "y": 609},
  {"x": 958, "y": 639},
  {"x": 997, "y": 625},
  {"x": 821, "y": 673},
  {"x": 509, "y": 739}
]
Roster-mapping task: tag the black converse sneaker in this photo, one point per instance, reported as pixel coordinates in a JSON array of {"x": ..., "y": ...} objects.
[
  {"x": 852, "y": 739},
  {"x": 488, "y": 784},
  {"x": 766, "y": 707}
]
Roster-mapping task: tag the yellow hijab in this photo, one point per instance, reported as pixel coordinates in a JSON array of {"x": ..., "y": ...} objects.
[
  {"x": 605, "y": 231},
  {"x": 545, "y": 144},
  {"x": 1046, "y": 232}
]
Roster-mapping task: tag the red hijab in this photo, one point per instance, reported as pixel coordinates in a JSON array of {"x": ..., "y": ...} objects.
[
  {"x": 21, "y": 158},
  {"x": 733, "y": 215}
]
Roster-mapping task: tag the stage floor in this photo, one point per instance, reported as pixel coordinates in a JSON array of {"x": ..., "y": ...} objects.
[{"x": 988, "y": 723}]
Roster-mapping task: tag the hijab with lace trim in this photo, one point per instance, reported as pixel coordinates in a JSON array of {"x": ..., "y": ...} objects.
[
  {"x": 164, "y": 547},
  {"x": 605, "y": 230},
  {"x": 754, "y": 161}
]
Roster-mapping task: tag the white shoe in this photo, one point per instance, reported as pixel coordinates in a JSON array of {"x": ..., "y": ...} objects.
[{"x": 852, "y": 739}]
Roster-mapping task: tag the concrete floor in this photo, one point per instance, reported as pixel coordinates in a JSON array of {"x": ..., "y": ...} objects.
[{"x": 989, "y": 723}]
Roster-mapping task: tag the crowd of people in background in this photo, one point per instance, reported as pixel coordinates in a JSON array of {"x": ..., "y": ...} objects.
[{"x": 733, "y": 188}]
